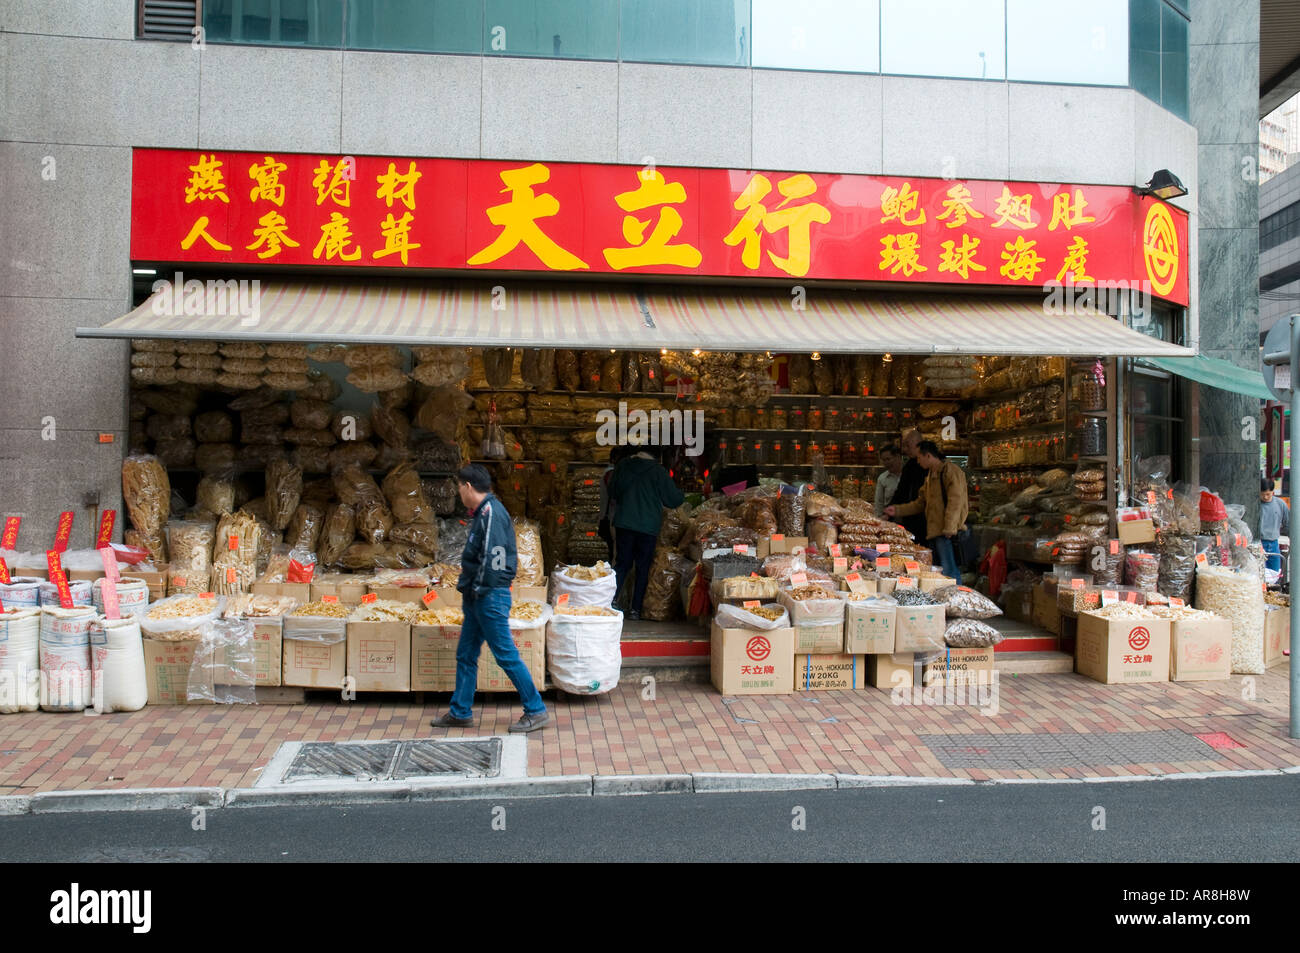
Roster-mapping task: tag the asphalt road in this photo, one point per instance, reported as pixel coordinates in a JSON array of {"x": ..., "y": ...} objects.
[{"x": 1244, "y": 820}]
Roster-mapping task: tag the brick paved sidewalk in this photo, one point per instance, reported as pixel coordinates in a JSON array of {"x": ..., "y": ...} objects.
[{"x": 1048, "y": 726}]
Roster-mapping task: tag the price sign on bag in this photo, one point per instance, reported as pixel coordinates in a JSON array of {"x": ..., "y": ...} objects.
[
  {"x": 835, "y": 549},
  {"x": 59, "y": 578},
  {"x": 329, "y": 599},
  {"x": 840, "y": 564},
  {"x": 855, "y": 582},
  {"x": 429, "y": 597},
  {"x": 562, "y": 599},
  {"x": 1109, "y": 597},
  {"x": 1175, "y": 601},
  {"x": 751, "y": 604},
  {"x": 882, "y": 562},
  {"x": 369, "y": 597},
  {"x": 106, "y": 522},
  {"x": 906, "y": 582},
  {"x": 799, "y": 579}
]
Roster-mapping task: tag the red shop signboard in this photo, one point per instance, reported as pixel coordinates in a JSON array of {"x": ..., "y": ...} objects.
[{"x": 291, "y": 209}]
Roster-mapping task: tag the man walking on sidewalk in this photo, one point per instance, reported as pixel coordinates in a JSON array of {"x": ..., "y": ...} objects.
[{"x": 487, "y": 568}]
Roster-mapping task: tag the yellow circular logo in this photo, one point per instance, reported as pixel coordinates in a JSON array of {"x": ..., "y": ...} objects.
[{"x": 1160, "y": 248}]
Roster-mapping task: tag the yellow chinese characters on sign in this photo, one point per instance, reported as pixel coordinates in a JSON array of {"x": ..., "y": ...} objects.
[
  {"x": 1020, "y": 261},
  {"x": 1067, "y": 213},
  {"x": 901, "y": 253},
  {"x": 335, "y": 238},
  {"x": 1014, "y": 210},
  {"x": 334, "y": 181},
  {"x": 1076, "y": 262},
  {"x": 797, "y": 220},
  {"x": 272, "y": 234},
  {"x": 397, "y": 186},
  {"x": 206, "y": 182},
  {"x": 267, "y": 178},
  {"x": 655, "y": 250},
  {"x": 960, "y": 259},
  {"x": 517, "y": 219},
  {"x": 957, "y": 207},
  {"x": 901, "y": 203}
]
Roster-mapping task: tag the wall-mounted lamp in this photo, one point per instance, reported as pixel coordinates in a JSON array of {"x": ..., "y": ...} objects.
[{"x": 1163, "y": 185}]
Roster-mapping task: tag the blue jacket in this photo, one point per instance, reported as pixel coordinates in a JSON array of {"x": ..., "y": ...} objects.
[{"x": 489, "y": 560}]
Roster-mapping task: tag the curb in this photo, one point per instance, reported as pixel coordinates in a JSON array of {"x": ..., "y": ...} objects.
[
  {"x": 582, "y": 785},
  {"x": 124, "y": 799}
]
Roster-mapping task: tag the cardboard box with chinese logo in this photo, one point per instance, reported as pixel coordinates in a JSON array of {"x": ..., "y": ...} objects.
[
  {"x": 919, "y": 628},
  {"x": 1127, "y": 651},
  {"x": 824, "y": 673},
  {"x": 379, "y": 656},
  {"x": 1277, "y": 633},
  {"x": 959, "y": 666},
  {"x": 896, "y": 670},
  {"x": 347, "y": 589},
  {"x": 777, "y": 543},
  {"x": 818, "y": 624},
  {"x": 869, "y": 627},
  {"x": 315, "y": 652},
  {"x": 1200, "y": 649},
  {"x": 167, "y": 671},
  {"x": 752, "y": 661}
]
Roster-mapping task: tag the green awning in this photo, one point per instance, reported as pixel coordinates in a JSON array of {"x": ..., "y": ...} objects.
[{"x": 1215, "y": 373}]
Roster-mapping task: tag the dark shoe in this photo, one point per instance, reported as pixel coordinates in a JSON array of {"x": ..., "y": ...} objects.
[
  {"x": 447, "y": 720},
  {"x": 634, "y": 616},
  {"x": 532, "y": 722}
]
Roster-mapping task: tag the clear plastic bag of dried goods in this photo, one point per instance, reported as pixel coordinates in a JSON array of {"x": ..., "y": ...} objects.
[
  {"x": 662, "y": 602},
  {"x": 971, "y": 633},
  {"x": 405, "y": 495},
  {"x": 568, "y": 370},
  {"x": 1142, "y": 570},
  {"x": 498, "y": 364},
  {"x": 965, "y": 603},
  {"x": 283, "y": 489},
  {"x": 453, "y": 533},
  {"x": 1177, "y": 565},
  {"x": 791, "y": 511},
  {"x": 374, "y": 520},
  {"x": 304, "y": 528},
  {"x": 339, "y": 528},
  {"x": 738, "y": 617}
]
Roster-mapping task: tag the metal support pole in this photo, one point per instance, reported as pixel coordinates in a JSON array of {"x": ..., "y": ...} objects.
[{"x": 1294, "y": 555}]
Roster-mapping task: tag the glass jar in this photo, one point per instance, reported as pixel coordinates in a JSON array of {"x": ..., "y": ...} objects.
[
  {"x": 760, "y": 418},
  {"x": 867, "y": 419},
  {"x": 776, "y": 451},
  {"x": 794, "y": 451},
  {"x": 742, "y": 418},
  {"x": 814, "y": 449},
  {"x": 797, "y": 420},
  {"x": 816, "y": 418},
  {"x": 724, "y": 451},
  {"x": 1092, "y": 437},
  {"x": 758, "y": 453},
  {"x": 837, "y": 487},
  {"x": 777, "y": 418},
  {"x": 832, "y": 419},
  {"x": 849, "y": 452},
  {"x": 725, "y": 418},
  {"x": 832, "y": 453}
]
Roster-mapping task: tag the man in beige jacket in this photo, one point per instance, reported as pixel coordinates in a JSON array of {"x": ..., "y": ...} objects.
[{"x": 943, "y": 501}]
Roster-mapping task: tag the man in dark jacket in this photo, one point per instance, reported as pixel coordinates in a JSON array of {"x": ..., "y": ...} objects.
[
  {"x": 487, "y": 567},
  {"x": 640, "y": 489},
  {"x": 910, "y": 482}
]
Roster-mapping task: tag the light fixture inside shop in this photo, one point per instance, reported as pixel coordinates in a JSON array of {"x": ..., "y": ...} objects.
[
  {"x": 816, "y": 355},
  {"x": 1163, "y": 185},
  {"x": 144, "y": 271},
  {"x": 888, "y": 358}
]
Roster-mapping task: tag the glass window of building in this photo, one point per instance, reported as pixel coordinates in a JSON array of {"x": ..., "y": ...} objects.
[
  {"x": 958, "y": 38},
  {"x": 1154, "y": 397},
  {"x": 838, "y": 35},
  {"x": 705, "y": 32},
  {"x": 432, "y": 26},
  {"x": 274, "y": 22},
  {"x": 1144, "y": 47},
  {"x": 1051, "y": 43},
  {"x": 574, "y": 29},
  {"x": 1173, "y": 61}
]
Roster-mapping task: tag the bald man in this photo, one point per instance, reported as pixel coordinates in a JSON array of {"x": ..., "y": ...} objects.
[{"x": 910, "y": 482}]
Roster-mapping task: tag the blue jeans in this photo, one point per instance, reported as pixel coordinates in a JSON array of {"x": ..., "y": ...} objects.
[
  {"x": 1274, "y": 559},
  {"x": 487, "y": 619},
  {"x": 943, "y": 551}
]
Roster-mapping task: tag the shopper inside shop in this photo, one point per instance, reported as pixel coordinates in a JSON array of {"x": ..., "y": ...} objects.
[
  {"x": 942, "y": 500},
  {"x": 891, "y": 458},
  {"x": 1274, "y": 522},
  {"x": 910, "y": 480},
  {"x": 487, "y": 569},
  {"x": 640, "y": 489}
]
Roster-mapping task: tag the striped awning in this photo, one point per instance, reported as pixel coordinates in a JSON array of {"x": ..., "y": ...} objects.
[{"x": 624, "y": 316}]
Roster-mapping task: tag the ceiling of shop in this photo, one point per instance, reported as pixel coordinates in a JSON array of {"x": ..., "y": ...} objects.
[{"x": 1279, "y": 53}]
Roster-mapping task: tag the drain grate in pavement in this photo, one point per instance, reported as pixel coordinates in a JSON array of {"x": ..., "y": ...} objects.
[
  {"x": 394, "y": 760},
  {"x": 1057, "y": 750}
]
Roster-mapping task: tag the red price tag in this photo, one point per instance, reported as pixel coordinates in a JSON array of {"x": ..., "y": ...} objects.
[
  {"x": 853, "y": 577},
  {"x": 4, "y": 572},
  {"x": 430, "y": 597},
  {"x": 1175, "y": 601},
  {"x": 64, "y": 532},
  {"x": 329, "y": 599},
  {"x": 751, "y": 604},
  {"x": 840, "y": 565},
  {"x": 53, "y": 562},
  {"x": 882, "y": 562},
  {"x": 1114, "y": 547},
  {"x": 1076, "y": 583},
  {"x": 1109, "y": 597},
  {"x": 1200, "y": 559},
  {"x": 835, "y": 549},
  {"x": 1131, "y": 597},
  {"x": 10, "y": 538},
  {"x": 590, "y": 533},
  {"x": 65, "y": 593},
  {"x": 231, "y": 577},
  {"x": 753, "y": 575},
  {"x": 562, "y": 599},
  {"x": 588, "y": 482},
  {"x": 799, "y": 579},
  {"x": 912, "y": 567},
  {"x": 882, "y": 548},
  {"x": 740, "y": 548},
  {"x": 778, "y": 537},
  {"x": 1151, "y": 497},
  {"x": 369, "y": 597},
  {"x": 233, "y": 542},
  {"x": 180, "y": 582},
  {"x": 906, "y": 582},
  {"x": 106, "y": 522},
  {"x": 207, "y": 595}
]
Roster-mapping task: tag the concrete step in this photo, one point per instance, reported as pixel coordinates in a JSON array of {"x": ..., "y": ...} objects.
[{"x": 1033, "y": 663}]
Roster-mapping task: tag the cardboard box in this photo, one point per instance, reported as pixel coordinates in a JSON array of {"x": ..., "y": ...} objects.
[
  {"x": 1200, "y": 650},
  {"x": 379, "y": 656},
  {"x": 268, "y": 650},
  {"x": 1132, "y": 532},
  {"x": 752, "y": 661},
  {"x": 931, "y": 583},
  {"x": 1046, "y": 614},
  {"x": 521, "y": 594},
  {"x": 1018, "y": 604},
  {"x": 433, "y": 657},
  {"x": 349, "y": 589},
  {"x": 767, "y": 545},
  {"x": 399, "y": 593},
  {"x": 967, "y": 666},
  {"x": 919, "y": 628},
  {"x": 531, "y": 644},
  {"x": 818, "y": 629},
  {"x": 885, "y": 585},
  {"x": 300, "y": 591},
  {"x": 869, "y": 630},
  {"x": 824, "y": 673},
  {"x": 85, "y": 575},
  {"x": 1277, "y": 633},
  {"x": 155, "y": 579},
  {"x": 897, "y": 670},
  {"x": 870, "y": 586},
  {"x": 310, "y": 663},
  {"x": 167, "y": 671},
  {"x": 1127, "y": 651}
]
